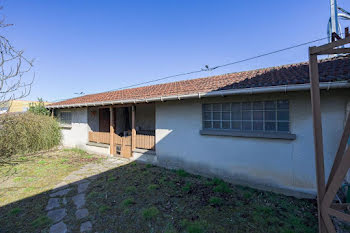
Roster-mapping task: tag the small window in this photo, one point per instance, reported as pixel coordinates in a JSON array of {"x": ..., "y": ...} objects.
[
  {"x": 259, "y": 116},
  {"x": 66, "y": 118}
]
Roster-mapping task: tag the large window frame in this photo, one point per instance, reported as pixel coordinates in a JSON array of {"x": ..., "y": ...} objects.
[
  {"x": 66, "y": 118},
  {"x": 269, "y": 118}
]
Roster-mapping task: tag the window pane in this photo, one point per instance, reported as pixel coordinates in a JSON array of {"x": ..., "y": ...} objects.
[
  {"x": 270, "y": 115},
  {"x": 246, "y": 115},
  {"x": 246, "y": 105},
  {"x": 66, "y": 118},
  {"x": 207, "y": 107},
  {"x": 258, "y": 115},
  {"x": 225, "y": 124},
  {"x": 207, "y": 124},
  {"x": 270, "y": 126},
  {"x": 217, "y": 115},
  {"x": 216, "y": 124},
  {"x": 258, "y": 106},
  {"x": 236, "y": 107},
  {"x": 258, "y": 125},
  {"x": 226, "y": 116},
  {"x": 236, "y": 115},
  {"x": 283, "y": 104},
  {"x": 270, "y": 105},
  {"x": 226, "y": 107},
  {"x": 283, "y": 115},
  {"x": 283, "y": 126},
  {"x": 236, "y": 125},
  {"x": 247, "y": 125},
  {"x": 216, "y": 107},
  {"x": 207, "y": 115}
]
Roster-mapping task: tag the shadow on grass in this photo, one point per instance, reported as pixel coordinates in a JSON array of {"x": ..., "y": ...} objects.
[{"x": 144, "y": 198}]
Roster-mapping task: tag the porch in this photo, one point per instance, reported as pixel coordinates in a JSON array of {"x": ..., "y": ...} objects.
[{"x": 123, "y": 128}]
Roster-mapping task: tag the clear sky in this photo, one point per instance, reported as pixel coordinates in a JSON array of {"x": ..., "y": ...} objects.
[{"x": 95, "y": 46}]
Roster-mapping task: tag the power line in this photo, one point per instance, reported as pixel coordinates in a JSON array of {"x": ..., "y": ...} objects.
[{"x": 220, "y": 66}]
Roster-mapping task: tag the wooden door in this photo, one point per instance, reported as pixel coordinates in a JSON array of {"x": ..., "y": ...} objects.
[{"x": 104, "y": 119}]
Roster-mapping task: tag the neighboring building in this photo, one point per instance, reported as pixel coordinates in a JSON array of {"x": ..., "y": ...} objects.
[
  {"x": 15, "y": 106},
  {"x": 253, "y": 127}
]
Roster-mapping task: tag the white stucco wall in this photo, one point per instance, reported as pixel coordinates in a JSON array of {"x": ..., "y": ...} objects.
[
  {"x": 77, "y": 135},
  {"x": 281, "y": 165}
]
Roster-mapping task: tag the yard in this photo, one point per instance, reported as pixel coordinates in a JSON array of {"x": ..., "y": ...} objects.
[{"x": 136, "y": 197}]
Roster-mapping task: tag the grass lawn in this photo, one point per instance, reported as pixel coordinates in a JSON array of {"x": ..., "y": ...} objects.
[
  {"x": 24, "y": 184},
  {"x": 145, "y": 198}
]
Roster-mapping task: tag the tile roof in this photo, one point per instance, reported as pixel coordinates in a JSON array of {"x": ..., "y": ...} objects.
[{"x": 330, "y": 70}]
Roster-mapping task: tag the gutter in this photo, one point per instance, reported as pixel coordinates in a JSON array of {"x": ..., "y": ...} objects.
[{"x": 253, "y": 90}]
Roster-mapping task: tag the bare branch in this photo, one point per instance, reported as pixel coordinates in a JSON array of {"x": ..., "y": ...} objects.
[{"x": 14, "y": 69}]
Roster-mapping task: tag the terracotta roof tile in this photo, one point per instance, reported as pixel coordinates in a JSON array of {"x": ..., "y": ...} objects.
[{"x": 330, "y": 70}]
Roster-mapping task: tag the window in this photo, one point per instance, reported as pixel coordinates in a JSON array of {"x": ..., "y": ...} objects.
[
  {"x": 66, "y": 118},
  {"x": 260, "y": 116}
]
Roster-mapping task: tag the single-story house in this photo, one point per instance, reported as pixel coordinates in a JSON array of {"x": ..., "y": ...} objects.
[{"x": 253, "y": 127}]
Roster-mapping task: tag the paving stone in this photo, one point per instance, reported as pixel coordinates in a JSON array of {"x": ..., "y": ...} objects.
[
  {"x": 60, "y": 193},
  {"x": 82, "y": 187},
  {"x": 58, "y": 228},
  {"x": 81, "y": 213},
  {"x": 79, "y": 200},
  {"x": 57, "y": 215},
  {"x": 53, "y": 203},
  {"x": 86, "y": 227}
]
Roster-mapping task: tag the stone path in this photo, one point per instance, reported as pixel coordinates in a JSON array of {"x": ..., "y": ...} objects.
[{"x": 73, "y": 188}]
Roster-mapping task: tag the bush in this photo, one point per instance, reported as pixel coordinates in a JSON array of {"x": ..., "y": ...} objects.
[
  {"x": 38, "y": 108},
  {"x": 26, "y": 133}
]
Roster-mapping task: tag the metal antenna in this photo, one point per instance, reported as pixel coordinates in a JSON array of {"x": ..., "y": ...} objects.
[{"x": 333, "y": 22}]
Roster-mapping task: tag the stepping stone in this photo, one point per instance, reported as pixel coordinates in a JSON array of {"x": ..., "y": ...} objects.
[
  {"x": 86, "y": 227},
  {"x": 81, "y": 213},
  {"x": 58, "y": 228},
  {"x": 82, "y": 187},
  {"x": 79, "y": 200},
  {"x": 53, "y": 203},
  {"x": 57, "y": 215},
  {"x": 60, "y": 193}
]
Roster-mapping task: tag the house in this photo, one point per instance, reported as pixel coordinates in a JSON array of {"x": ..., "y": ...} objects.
[
  {"x": 252, "y": 128},
  {"x": 17, "y": 106}
]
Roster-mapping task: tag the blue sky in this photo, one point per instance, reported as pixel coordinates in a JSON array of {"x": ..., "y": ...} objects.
[{"x": 96, "y": 46}]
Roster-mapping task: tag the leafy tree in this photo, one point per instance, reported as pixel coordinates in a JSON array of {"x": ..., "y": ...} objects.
[{"x": 38, "y": 108}]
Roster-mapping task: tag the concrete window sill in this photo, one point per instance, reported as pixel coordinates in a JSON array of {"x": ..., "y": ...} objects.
[
  {"x": 286, "y": 136},
  {"x": 65, "y": 126}
]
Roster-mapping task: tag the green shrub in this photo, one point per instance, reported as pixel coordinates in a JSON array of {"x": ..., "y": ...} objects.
[
  {"x": 39, "y": 108},
  {"x": 26, "y": 133}
]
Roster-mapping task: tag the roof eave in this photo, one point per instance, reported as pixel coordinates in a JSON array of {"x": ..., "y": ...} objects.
[{"x": 252, "y": 90}]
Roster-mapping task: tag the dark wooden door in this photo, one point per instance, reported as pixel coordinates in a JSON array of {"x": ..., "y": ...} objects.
[{"x": 104, "y": 119}]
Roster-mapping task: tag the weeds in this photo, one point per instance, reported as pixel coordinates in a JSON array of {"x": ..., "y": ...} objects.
[
  {"x": 150, "y": 213},
  {"x": 182, "y": 173}
]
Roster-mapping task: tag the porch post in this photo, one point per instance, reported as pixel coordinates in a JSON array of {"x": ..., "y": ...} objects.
[
  {"x": 111, "y": 131},
  {"x": 133, "y": 130},
  {"x": 318, "y": 138}
]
